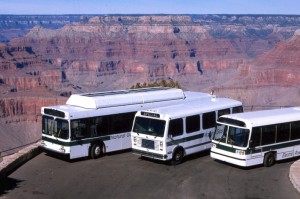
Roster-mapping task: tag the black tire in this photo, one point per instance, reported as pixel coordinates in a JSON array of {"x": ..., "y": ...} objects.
[
  {"x": 96, "y": 150},
  {"x": 269, "y": 159},
  {"x": 177, "y": 156}
]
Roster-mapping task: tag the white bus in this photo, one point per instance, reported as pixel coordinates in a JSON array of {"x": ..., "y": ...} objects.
[
  {"x": 92, "y": 124},
  {"x": 172, "y": 132},
  {"x": 259, "y": 137}
]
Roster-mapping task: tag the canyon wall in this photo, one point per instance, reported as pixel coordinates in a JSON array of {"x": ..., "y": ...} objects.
[
  {"x": 73, "y": 54},
  {"x": 43, "y": 59}
]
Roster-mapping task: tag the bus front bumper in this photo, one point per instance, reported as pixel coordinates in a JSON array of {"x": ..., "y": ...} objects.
[
  {"x": 231, "y": 160},
  {"x": 150, "y": 154}
]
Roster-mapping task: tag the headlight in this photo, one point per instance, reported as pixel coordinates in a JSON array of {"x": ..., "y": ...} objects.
[
  {"x": 240, "y": 152},
  {"x": 137, "y": 141},
  {"x": 156, "y": 147}
]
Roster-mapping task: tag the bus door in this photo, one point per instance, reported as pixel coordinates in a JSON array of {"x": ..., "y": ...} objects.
[
  {"x": 255, "y": 143},
  {"x": 79, "y": 150},
  {"x": 79, "y": 145},
  {"x": 175, "y": 134}
]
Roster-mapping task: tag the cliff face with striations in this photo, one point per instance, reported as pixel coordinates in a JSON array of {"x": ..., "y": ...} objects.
[
  {"x": 249, "y": 58},
  {"x": 29, "y": 106},
  {"x": 202, "y": 52},
  {"x": 86, "y": 53}
]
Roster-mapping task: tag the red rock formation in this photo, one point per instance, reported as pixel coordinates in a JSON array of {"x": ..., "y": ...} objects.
[
  {"x": 252, "y": 63},
  {"x": 271, "y": 80},
  {"x": 26, "y": 106},
  {"x": 280, "y": 66},
  {"x": 152, "y": 51},
  {"x": 113, "y": 52}
]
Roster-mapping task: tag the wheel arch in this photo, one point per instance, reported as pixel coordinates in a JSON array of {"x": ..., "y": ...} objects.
[
  {"x": 178, "y": 147},
  {"x": 268, "y": 156},
  {"x": 100, "y": 143}
]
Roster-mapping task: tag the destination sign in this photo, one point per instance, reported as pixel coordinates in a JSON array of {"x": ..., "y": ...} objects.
[
  {"x": 150, "y": 114},
  {"x": 54, "y": 112}
]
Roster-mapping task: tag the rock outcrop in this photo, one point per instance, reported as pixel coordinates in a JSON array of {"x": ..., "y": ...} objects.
[
  {"x": 249, "y": 58},
  {"x": 28, "y": 106},
  {"x": 114, "y": 52}
]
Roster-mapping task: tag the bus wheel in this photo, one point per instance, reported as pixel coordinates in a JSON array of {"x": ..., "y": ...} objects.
[
  {"x": 269, "y": 159},
  {"x": 96, "y": 151},
  {"x": 177, "y": 156}
]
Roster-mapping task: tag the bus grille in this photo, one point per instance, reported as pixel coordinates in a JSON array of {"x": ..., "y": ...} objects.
[{"x": 149, "y": 144}]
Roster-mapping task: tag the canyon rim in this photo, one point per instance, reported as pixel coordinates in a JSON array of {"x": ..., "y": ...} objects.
[{"x": 43, "y": 59}]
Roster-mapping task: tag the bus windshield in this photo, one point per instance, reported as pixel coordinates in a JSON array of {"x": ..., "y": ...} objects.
[
  {"x": 149, "y": 126},
  {"x": 231, "y": 135},
  {"x": 56, "y": 127}
]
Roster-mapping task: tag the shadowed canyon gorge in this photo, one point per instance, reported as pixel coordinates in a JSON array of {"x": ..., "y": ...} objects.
[{"x": 43, "y": 59}]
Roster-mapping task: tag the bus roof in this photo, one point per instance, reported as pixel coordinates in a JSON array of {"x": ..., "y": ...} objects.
[
  {"x": 194, "y": 107},
  {"x": 190, "y": 95},
  {"x": 267, "y": 117},
  {"x": 124, "y": 97},
  {"x": 69, "y": 111}
]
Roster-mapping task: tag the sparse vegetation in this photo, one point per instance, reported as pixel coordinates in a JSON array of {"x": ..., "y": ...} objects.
[
  {"x": 65, "y": 94},
  {"x": 163, "y": 83},
  {"x": 176, "y": 30}
]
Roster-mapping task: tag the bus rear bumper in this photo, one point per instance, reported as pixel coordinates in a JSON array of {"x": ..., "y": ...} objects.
[
  {"x": 231, "y": 160},
  {"x": 149, "y": 154}
]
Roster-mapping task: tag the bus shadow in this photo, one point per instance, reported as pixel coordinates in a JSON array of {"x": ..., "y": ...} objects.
[
  {"x": 63, "y": 157},
  {"x": 289, "y": 160},
  {"x": 67, "y": 159},
  {"x": 285, "y": 161},
  {"x": 142, "y": 158},
  {"x": 7, "y": 184},
  {"x": 185, "y": 159},
  {"x": 238, "y": 167},
  {"x": 200, "y": 154},
  {"x": 118, "y": 152}
]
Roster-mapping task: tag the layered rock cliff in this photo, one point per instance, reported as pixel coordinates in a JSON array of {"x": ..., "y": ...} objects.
[
  {"x": 253, "y": 58},
  {"x": 113, "y": 52}
]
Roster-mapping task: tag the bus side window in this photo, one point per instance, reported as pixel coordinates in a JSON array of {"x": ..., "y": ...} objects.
[
  {"x": 268, "y": 134},
  {"x": 295, "y": 130},
  {"x": 192, "y": 123},
  {"x": 175, "y": 127},
  {"x": 223, "y": 112},
  {"x": 209, "y": 120},
  {"x": 255, "y": 137},
  {"x": 103, "y": 125},
  {"x": 82, "y": 129},
  {"x": 238, "y": 109},
  {"x": 93, "y": 130},
  {"x": 283, "y": 132},
  {"x": 122, "y": 122},
  {"x": 74, "y": 125}
]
